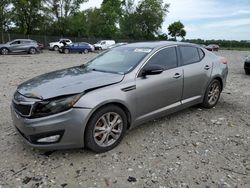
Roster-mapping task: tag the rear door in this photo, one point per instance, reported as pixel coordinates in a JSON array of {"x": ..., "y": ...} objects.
[
  {"x": 197, "y": 72},
  {"x": 155, "y": 93}
]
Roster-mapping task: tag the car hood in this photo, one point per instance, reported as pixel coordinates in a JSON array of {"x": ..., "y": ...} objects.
[{"x": 67, "y": 81}]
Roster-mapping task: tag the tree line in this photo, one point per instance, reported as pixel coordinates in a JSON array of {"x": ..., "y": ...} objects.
[{"x": 114, "y": 19}]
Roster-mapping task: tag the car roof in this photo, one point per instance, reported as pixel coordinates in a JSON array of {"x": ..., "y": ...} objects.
[
  {"x": 157, "y": 44},
  {"x": 24, "y": 39}
]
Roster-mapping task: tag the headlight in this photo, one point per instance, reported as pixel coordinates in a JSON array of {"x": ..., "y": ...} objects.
[{"x": 53, "y": 106}]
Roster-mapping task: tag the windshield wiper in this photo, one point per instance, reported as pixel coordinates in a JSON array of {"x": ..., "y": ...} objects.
[{"x": 99, "y": 70}]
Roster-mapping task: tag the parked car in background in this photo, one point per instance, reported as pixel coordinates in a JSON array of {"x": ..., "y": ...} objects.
[
  {"x": 104, "y": 44},
  {"x": 247, "y": 65},
  {"x": 213, "y": 47},
  {"x": 19, "y": 45},
  {"x": 56, "y": 45},
  {"x": 79, "y": 47},
  {"x": 93, "y": 105},
  {"x": 117, "y": 44}
]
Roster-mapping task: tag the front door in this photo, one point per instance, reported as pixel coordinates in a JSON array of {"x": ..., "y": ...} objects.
[{"x": 157, "y": 93}]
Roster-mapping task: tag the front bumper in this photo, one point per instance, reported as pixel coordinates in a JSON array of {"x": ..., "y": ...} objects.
[
  {"x": 70, "y": 124},
  {"x": 247, "y": 65}
]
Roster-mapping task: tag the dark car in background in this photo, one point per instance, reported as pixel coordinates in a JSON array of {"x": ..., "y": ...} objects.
[
  {"x": 247, "y": 65},
  {"x": 20, "y": 45},
  {"x": 79, "y": 47},
  {"x": 213, "y": 47}
]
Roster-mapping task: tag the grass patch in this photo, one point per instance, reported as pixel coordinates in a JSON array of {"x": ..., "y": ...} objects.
[{"x": 236, "y": 49}]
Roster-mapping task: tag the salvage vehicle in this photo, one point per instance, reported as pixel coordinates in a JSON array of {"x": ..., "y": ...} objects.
[
  {"x": 247, "y": 65},
  {"x": 213, "y": 47},
  {"x": 19, "y": 45},
  {"x": 79, "y": 47},
  {"x": 94, "y": 104},
  {"x": 57, "y": 45},
  {"x": 104, "y": 44}
]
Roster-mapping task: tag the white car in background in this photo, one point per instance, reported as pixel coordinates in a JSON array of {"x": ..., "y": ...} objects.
[
  {"x": 104, "y": 44},
  {"x": 56, "y": 45}
]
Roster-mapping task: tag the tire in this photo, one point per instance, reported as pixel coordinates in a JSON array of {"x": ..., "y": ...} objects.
[
  {"x": 86, "y": 51},
  {"x": 32, "y": 51},
  {"x": 212, "y": 94},
  {"x": 4, "y": 51},
  {"x": 247, "y": 71},
  {"x": 97, "y": 134},
  {"x": 66, "y": 51},
  {"x": 56, "y": 48}
]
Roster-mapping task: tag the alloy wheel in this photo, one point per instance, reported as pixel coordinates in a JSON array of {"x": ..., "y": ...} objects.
[
  {"x": 4, "y": 51},
  {"x": 108, "y": 129},
  {"x": 213, "y": 94}
]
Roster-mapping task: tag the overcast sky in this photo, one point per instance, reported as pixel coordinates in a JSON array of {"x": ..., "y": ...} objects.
[{"x": 206, "y": 19}]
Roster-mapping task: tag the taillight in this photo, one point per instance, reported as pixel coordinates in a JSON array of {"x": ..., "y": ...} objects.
[{"x": 224, "y": 61}]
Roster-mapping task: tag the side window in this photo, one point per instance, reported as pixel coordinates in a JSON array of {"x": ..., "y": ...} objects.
[
  {"x": 166, "y": 58},
  {"x": 189, "y": 54},
  {"x": 201, "y": 53},
  {"x": 15, "y": 42}
]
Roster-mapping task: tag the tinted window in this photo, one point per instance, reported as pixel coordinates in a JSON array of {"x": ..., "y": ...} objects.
[
  {"x": 189, "y": 54},
  {"x": 201, "y": 53},
  {"x": 15, "y": 42},
  {"x": 166, "y": 58}
]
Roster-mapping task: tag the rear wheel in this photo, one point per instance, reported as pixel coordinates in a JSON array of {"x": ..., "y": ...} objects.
[
  {"x": 105, "y": 129},
  {"x": 32, "y": 51},
  {"x": 4, "y": 51},
  {"x": 247, "y": 71},
  {"x": 212, "y": 94},
  {"x": 56, "y": 48}
]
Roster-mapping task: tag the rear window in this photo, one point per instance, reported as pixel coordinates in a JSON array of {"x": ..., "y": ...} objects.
[{"x": 189, "y": 55}]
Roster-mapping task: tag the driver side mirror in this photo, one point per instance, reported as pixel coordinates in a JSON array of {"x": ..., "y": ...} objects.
[{"x": 152, "y": 70}]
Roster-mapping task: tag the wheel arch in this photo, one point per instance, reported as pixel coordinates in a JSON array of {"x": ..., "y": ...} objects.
[
  {"x": 220, "y": 80},
  {"x": 120, "y": 105}
]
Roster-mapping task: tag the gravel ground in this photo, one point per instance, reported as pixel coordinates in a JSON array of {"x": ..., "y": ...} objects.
[{"x": 192, "y": 148}]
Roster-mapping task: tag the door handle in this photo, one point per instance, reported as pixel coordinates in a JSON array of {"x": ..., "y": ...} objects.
[
  {"x": 177, "y": 75},
  {"x": 207, "y": 67}
]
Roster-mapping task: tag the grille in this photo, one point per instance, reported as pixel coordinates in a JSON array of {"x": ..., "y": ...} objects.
[{"x": 23, "y": 109}]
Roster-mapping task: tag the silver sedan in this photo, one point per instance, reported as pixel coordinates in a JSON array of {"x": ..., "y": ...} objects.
[{"x": 94, "y": 104}]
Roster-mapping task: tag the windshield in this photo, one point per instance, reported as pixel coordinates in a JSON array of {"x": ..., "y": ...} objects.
[{"x": 118, "y": 60}]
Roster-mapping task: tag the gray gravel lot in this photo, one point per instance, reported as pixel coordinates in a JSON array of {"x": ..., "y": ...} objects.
[{"x": 192, "y": 148}]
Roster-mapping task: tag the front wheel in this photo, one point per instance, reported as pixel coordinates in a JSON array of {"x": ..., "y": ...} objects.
[
  {"x": 105, "y": 129},
  {"x": 212, "y": 94},
  {"x": 4, "y": 51},
  {"x": 66, "y": 51},
  {"x": 86, "y": 51}
]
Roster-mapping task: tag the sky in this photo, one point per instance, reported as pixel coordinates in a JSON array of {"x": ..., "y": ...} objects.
[{"x": 206, "y": 19}]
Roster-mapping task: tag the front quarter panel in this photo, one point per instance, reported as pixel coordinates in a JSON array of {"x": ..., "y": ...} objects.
[{"x": 111, "y": 94}]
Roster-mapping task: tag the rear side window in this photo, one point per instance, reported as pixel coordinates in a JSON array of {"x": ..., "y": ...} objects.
[
  {"x": 189, "y": 54},
  {"x": 166, "y": 58},
  {"x": 201, "y": 53}
]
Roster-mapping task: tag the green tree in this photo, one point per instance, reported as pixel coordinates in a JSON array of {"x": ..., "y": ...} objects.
[
  {"x": 59, "y": 11},
  {"x": 4, "y": 16},
  {"x": 111, "y": 12},
  {"x": 176, "y": 29},
  {"x": 27, "y": 15},
  {"x": 144, "y": 21}
]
